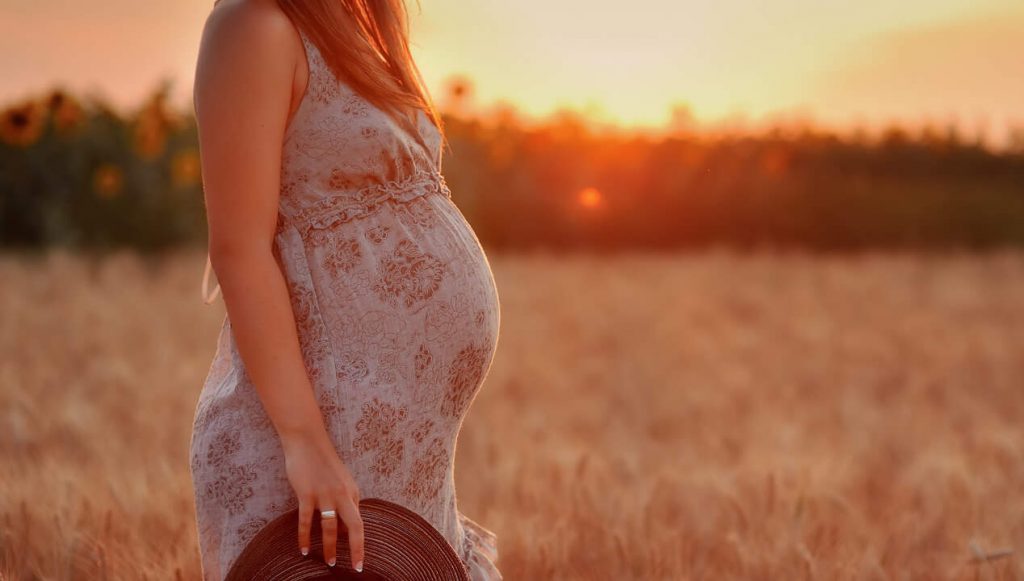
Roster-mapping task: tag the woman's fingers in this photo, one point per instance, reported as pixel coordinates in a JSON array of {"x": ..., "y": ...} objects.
[
  {"x": 305, "y": 522},
  {"x": 329, "y": 526},
  {"x": 354, "y": 524}
]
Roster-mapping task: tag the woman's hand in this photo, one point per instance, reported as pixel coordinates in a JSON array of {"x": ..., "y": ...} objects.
[{"x": 321, "y": 482}]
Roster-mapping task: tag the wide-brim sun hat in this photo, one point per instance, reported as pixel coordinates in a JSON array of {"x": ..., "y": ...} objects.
[{"x": 399, "y": 545}]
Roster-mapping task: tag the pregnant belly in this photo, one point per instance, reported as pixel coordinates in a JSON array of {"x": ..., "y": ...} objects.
[{"x": 403, "y": 299}]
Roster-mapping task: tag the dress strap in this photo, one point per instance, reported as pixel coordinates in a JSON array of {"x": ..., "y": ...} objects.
[{"x": 208, "y": 298}]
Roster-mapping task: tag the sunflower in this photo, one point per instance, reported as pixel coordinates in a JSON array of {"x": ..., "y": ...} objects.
[
  {"x": 22, "y": 124},
  {"x": 150, "y": 137},
  {"x": 152, "y": 125},
  {"x": 65, "y": 110},
  {"x": 107, "y": 180},
  {"x": 185, "y": 167}
]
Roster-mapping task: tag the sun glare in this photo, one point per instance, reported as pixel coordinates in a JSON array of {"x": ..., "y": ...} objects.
[{"x": 590, "y": 197}]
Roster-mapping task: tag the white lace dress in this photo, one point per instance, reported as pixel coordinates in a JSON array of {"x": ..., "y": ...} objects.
[{"x": 397, "y": 315}]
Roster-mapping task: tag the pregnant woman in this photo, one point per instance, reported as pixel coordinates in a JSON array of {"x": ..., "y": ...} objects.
[{"x": 362, "y": 314}]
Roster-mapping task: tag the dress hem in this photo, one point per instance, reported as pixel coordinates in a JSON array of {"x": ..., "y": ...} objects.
[{"x": 480, "y": 550}]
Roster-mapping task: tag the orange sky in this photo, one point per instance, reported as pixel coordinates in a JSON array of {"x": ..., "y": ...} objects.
[{"x": 833, "y": 61}]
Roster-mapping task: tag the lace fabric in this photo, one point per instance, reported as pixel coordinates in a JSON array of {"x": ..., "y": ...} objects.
[{"x": 480, "y": 550}]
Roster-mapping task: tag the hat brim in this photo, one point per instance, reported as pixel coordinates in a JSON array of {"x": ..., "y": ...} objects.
[{"x": 400, "y": 545}]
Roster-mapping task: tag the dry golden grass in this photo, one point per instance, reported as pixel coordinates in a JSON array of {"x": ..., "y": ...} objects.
[{"x": 705, "y": 416}]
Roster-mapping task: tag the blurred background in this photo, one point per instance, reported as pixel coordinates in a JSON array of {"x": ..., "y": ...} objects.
[{"x": 760, "y": 266}]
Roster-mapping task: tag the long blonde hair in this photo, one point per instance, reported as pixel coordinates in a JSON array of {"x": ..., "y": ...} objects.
[{"x": 366, "y": 43}]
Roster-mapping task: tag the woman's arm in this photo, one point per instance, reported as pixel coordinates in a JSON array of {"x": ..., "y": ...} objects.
[
  {"x": 242, "y": 98},
  {"x": 243, "y": 92}
]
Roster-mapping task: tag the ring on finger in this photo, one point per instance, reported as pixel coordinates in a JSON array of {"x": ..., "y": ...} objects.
[{"x": 329, "y": 513}]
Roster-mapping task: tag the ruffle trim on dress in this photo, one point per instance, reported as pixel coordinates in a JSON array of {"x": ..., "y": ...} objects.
[
  {"x": 479, "y": 550},
  {"x": 337, "y": 209},
  {"x": 209, "y": 297}
]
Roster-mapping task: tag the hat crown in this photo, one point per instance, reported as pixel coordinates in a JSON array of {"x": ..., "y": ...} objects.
[{"x": 399, "y": 545}]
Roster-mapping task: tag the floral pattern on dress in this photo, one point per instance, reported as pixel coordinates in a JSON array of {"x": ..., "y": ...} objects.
[
  {"x": 309, "y": 328},
  {"x": 351, "y": 366},
  {"x": 232, "y": 488},
  {"x": 343, "y": 256},
  {"x": 354, "y": 105},
  {"x": 294, "y": 182},
  {"x": 342, "y": 180},
  {"x": 381, "y": 330},
  {"x": 251, "y": 526},
  {"x": 378, "y": 424},
  {"x": 440, "y": 321},
  {"x": 422, "y": 430},
  {"x": 248, "y": 529},
  {"x": 389, "y": 457},
  {"x": 419, "y": 215},
  {"x": 378, "y": 234},
  {"x": 223, "y": 447},
  {"x": 423, "y": 361},
  {"x": 331, "y": 409},
  {"x": 464, "y": 376},
  {"x": 379, "y": 431},
  {"x": 348, "y": 288},
  {"x": 322, "y": 86},
  {"x": 409, "y": 276},
  {"x": 428, "y": 472},
  {"x": 390, "y": 370}
]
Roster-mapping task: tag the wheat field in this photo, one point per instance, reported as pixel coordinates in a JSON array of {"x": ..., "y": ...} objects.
[{"x": 712, "y": 415}]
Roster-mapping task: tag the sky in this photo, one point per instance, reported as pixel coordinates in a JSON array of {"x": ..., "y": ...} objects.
[{"x": 835, "y": 62}]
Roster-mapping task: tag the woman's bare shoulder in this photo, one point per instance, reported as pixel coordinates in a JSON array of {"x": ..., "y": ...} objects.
[
  {"x": 247, "y": 46},
  {"x": 254, "y": 21}
]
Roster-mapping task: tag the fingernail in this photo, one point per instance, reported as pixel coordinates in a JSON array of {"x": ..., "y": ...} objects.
[
  {"x": 305, "y": 551},
  {"x": 359, "y": 566},
  {"x": 332, "y": 562}
]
